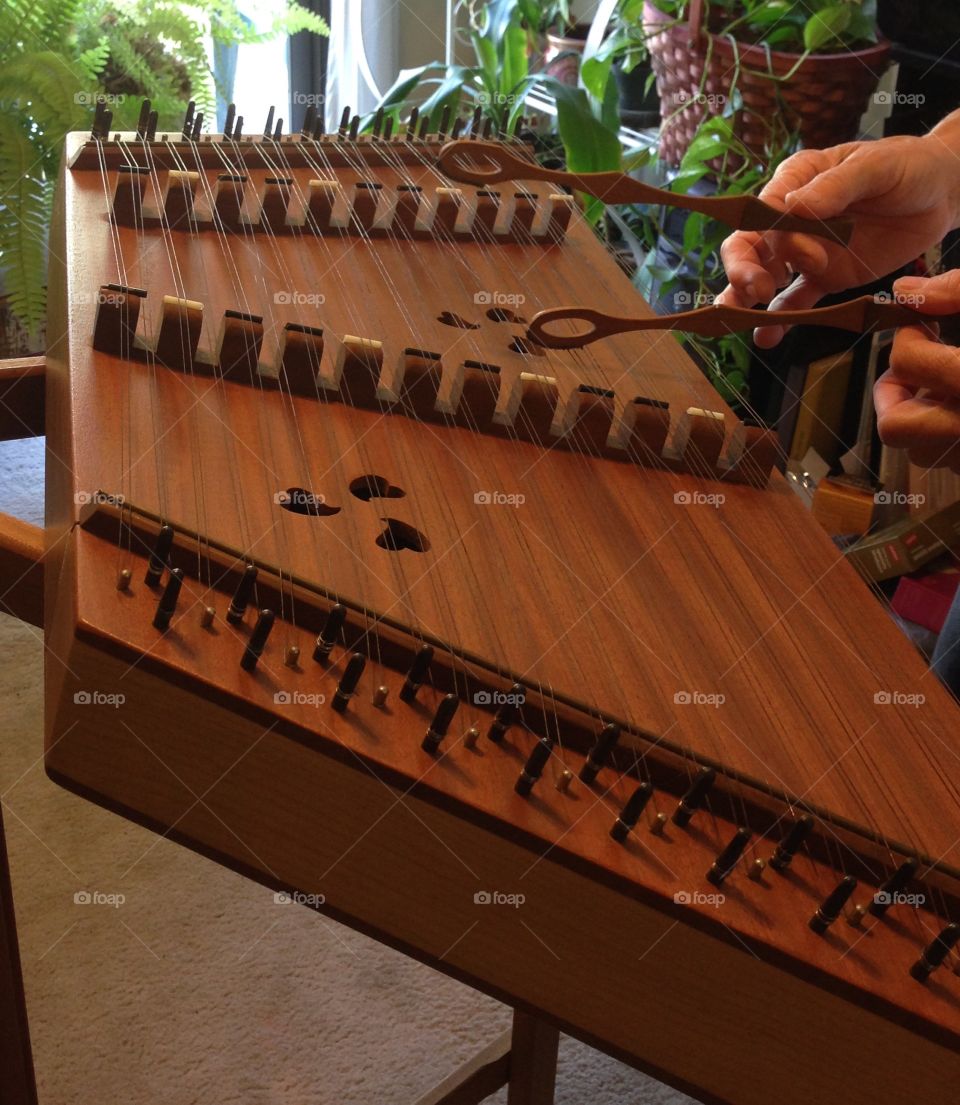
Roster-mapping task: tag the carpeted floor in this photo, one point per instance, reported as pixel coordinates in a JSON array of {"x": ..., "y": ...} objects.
[{"x": 197, "y": 986}]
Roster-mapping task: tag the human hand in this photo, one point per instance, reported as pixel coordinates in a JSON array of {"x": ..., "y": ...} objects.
[
  {"x": 918, "y": 398},
  {"x": 902, "y": 193}
]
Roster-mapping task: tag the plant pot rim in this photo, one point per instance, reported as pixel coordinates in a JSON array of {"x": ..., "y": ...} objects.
[
  {"x": 750, "y": 50},
  {"x": 584, "y": 28}
]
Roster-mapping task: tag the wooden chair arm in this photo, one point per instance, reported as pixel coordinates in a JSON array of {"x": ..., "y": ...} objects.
[
  {"x": 22, "y": 548},
  {"x": 22, "y": 545}
]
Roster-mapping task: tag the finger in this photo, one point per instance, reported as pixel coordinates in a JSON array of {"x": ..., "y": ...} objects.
[
  {"x": 929, "y": 431},
  {"x": 732, "y": 297},
  {"x": 921, "y": 361},
  {"x": 935, "y": 295},
  {"x": 794, "y": 173},
  {"x": 862, "y": 175},
  {"x": 888, "y": 391},
  {"x": 743, "y": 266},
  {"x": 801, "y": 294}
]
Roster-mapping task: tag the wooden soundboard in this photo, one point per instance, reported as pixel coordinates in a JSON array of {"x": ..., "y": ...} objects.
[{"x": 522, "y": 514}]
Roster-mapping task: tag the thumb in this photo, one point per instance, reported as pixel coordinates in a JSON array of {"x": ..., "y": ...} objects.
[{"x": 934, "y": 295}]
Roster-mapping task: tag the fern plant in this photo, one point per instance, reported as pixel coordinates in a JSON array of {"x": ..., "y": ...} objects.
[{"x": 56, "y": 58}]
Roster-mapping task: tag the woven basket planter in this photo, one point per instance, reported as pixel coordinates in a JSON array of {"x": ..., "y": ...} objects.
[{"x": 823, "y": 98}]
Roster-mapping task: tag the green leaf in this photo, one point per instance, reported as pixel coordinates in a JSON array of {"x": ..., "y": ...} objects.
[{"x": 825, "y": 26}]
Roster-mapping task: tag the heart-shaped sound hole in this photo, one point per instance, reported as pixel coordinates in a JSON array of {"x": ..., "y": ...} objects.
[
  {"x": 399, "y": 536},
  {"x": 300, "y": 501},
  {"x": 448, "y": 318},
  {"x": 375, "y": 487}
]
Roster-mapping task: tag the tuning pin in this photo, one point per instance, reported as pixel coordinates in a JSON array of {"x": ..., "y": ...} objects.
[
  {"x": 885, "y": 897},
  {"x": 725, "y": 863},
  {"x": 258, "y": 639},
  {"x": 380, "y": 696},
  {"x": 476, "y": 121},
  {"x": 354, "y": 128},
  {"x": 268, "y": 125},
  {"x": 658, "y": 824},
  {"x": 444, "y": 123},
  {"x": 348, "y": 682},
  {"x": 330, "y": 633},
  {"x": 518, "y": 126},
  {"x": 457, "y": 128},
  {"x": 507, "y": 714},
  {"x": 292, "y": 656},
  {"x": 388, "y": 129},
  {"x": 935, "y": 953},
  {"x": 158, "y": 558},
  {"x": 441, "y": 723},
  {"x": 152, "y": 120},
  {"x": 378, "y": 122},
  {"x": 416, "y": 674},
  {"x": 278, "y": 131},
  {"x": 600, "y": 753},
  {"x": 123, "y": 579},
  {"x": 757, "y": 868},
  {"x": 695, "y": 797},
  {"x": 168, "y": 600},
  {"x": 470, "y": 737},
  {"x": 424, "y": 128},
  {"x": 630, "y": 814},
  {"x": 317, "y": 129},
  {"x": 242, "y": 595},
  {"x": 564, "y": 779},
  {"x": 228, "y": 121},
  {"x": 188, "y": 121},
  {"x": 533, "y": 768},
  {"x": 106, "y": 122},
  {"x": 832, "y": 905},
  {"x": 207, "y": 616},
  {"x": 238, "y": 128},
  {"x": 412, "y": 124},
  {"x": 791, "y": 843},
  {"x": 344, "y": 123},
  {"x": 95, "y": 131},
  {"x": 309, "y": 118},
  {"x": 143, "y": 119},
  {"x": 487, "y": 128},
  {"x": 197, "y": 124}
]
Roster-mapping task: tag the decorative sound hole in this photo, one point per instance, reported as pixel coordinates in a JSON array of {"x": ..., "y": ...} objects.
[
  {"x": 504, "y": 314},
  {"x": 527, "y": 348},
  {"x": 300, "y": 501},
  {"x": 374, "y": 487},
  {"x": 448, "y": 318},
  {"x": 398, "y": 536}
]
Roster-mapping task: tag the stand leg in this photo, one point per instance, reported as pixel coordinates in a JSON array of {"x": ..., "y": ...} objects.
[
  {"x": 17, "y": 1085},
  {"x": 533, "y": 1061}
]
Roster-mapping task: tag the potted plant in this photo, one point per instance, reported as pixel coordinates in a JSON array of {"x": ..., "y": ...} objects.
[
  {"x": 811, "y": 64},
  {"x": 56, "y": 60},
  {"x": 566, "y": 40}
]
